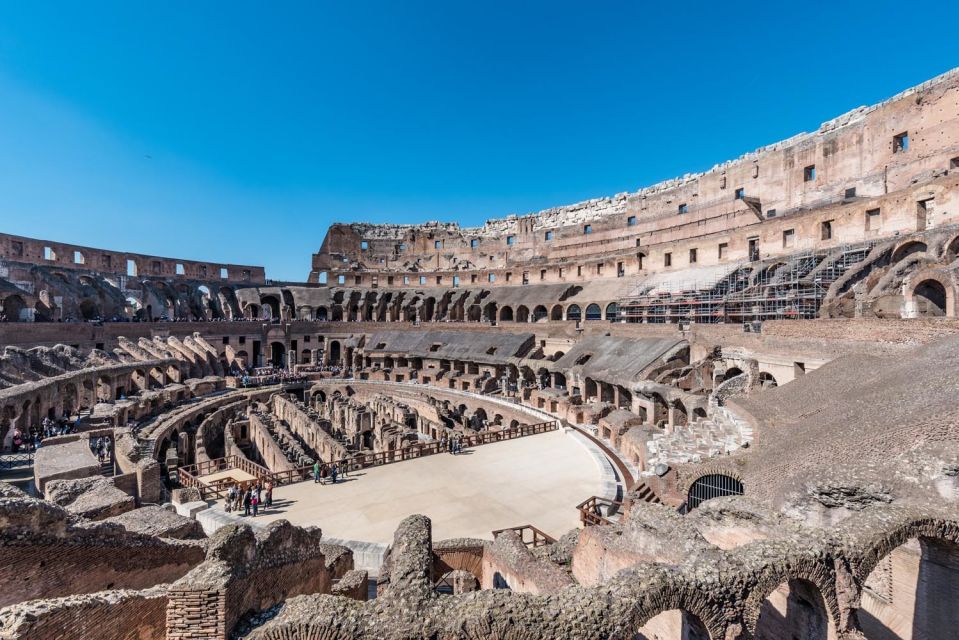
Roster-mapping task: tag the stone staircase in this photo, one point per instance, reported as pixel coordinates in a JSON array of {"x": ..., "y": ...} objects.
[{"x": 718, "y": 434}]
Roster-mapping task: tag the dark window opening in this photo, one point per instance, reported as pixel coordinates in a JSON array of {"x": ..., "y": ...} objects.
[
  {"x": 740, "y": 193},
  {"x": 900, "y": 142},
  {"x": 692, "y": 256},
  {"x": 825, "y": 228},
  {"x": 809, "y": 173},
  {"x": 667, "y": 259},
  {"x": 683, "y": 208}
]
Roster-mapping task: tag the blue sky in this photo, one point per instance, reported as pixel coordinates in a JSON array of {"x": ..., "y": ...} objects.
[{"x": 238, "y": 131}]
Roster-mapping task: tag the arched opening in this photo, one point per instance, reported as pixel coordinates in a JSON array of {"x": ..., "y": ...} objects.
[
  {"x": 522, "y": 314},
  {"x": 952, "y": 251},
  {"x": 930, "y": 298},
  {"x": 104, "y": 389},
  {"x": 573, "y": 312},
  {"x": 714, "y": 485},
  {"x": 490, "y": 311},
  {"x": 321, "y": 314},
  {"x": 907, "y": 249},
  {"x": 13, "y": 307},
  {"x": 335, "y": 352},
  {"x": 731, "y": 373},
  {"x": 556, "y": 313},
  {"x": 273, "y": 304},
  {"x": 902, "y": 595},
  {"x": 506, "y": 314},
  {"x": 590, "y": 388},
  {"x": 539, "y": 313},
  {"x": 253, "y": 311},
  {"x": 767, "y": 380},
  {"x": 593, "y": 312},
  {"x": 795, "y": 610},
  {"x": 675, "y": 624},
  {"x": 612, "y": 312},
  {"x": 278, "y": 354}
]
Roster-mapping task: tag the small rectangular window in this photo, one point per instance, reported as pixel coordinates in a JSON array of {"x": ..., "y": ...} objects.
[
  {"x": 341, "y": 279},
  {"x": 850, "y": 193},
  {"x": 49, "y": 254},
  {"x": 435, "y": 347},
  {"x": 723, "y": 250},
  {"x": 401, "y": 248},
  {"x": 224, "y": 274},
  {"x": 406, "y": 279},
  {"x": 364, "y": 245},
  {"x": 587, "y": 229},
  {"x": 631, "y": 221},
  {"x": 179, "y": 269},
  {"x": 456, "y": 281},
  {"x": 789, "y": 238},
  {"x": 900, "y": 142},
  {"x": 492, "y": 277},
  {"x": 474, "y": 243},
  {"x": 437, "y": 244},
  {"x": 954, "y": 163},
  {"x": 562, "y": 272},
  {"x": 226, "y": 340},
  {"x": 389, "y": 280},
  {"x": 510, "y": 240},
  {"x": 683, "y": 208},
  {"x": 667, "y": 259},
  {"x": 740, "y": 193},
  {"x": 17, "y": 248},
  {"x": 809, "y": 173},
  {"x": 825, "y": 228},
  {"x": 542, "y": 274},
  {"x": 579, "y": 272},
  {"x": 692, "y": 256},
  {"x": 473, "y": 278},
  {"x": 548, "y": 236},
  {"x": 599, "y": 269},
  {"x": 357, "y": 280},
  {"x": 620, "y": 270},
  {"x": 439, "y": 280},
  {"x": 771, "y": 213},
  {"x": 422, "y": 279},
  {"x": 509, "y": 276},
  {"x": 873, "y": 220}
]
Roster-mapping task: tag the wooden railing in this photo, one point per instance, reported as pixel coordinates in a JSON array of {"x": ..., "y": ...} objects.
[
  {"x": 189, "y": 476},
  {"x": 530, "y": 535},
  {"x": 590, "y": 511}
]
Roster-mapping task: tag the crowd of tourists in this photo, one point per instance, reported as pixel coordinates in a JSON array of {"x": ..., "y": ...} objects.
[
  {"x": 329, "y": 473},
  {"x": 250, "y": 497},
  {"x": 32, "y": 439}
]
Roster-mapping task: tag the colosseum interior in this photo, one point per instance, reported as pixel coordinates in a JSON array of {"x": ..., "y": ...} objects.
[{"x": 720, "y": 407}]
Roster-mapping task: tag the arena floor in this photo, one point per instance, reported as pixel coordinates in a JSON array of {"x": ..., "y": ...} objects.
[{"x": 536, "y": 480}]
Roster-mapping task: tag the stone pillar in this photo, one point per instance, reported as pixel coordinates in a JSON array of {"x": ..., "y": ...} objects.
[{"x": 463, "y": 582}]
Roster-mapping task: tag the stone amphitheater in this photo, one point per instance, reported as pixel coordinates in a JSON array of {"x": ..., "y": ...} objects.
[{"x": 721, "y": 407}]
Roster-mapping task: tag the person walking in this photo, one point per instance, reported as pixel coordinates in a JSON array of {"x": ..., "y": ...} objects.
[
  {"x": 316, "y": 471},
  {"x": 269, "y": 493}
]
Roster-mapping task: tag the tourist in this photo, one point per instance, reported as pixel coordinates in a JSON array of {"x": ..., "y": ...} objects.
[
  {"x": 316, "y": 471},
  {"x": 333, "y": 473},
  {"x": 269, "y": 493},
  {"x": 247, "y": 498},
  {"x": 255, "y": 502}
]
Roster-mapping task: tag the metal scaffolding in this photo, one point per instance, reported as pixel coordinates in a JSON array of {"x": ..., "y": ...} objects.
[{"x": 792, "y": 287}]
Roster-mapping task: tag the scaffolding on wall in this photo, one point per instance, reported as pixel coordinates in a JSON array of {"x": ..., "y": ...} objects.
[{"x": 792, "y": 287}]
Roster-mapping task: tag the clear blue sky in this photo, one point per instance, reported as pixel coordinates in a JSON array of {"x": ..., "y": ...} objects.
[{"x": 237, "y": 131}]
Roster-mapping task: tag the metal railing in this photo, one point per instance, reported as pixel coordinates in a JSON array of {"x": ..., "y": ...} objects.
[
  {"x": 13, "y": 460},
  {"x": 189, "y": 475},
  {"x": 591, "y": 510},
  {"x": 530, "y": 535}
]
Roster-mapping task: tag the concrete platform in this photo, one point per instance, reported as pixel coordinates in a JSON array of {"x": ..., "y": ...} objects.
[
  {"x": 236, "y": 475},
  {"x": 536, "y": 480}
]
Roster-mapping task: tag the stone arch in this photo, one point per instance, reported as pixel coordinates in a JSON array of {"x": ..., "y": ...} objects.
[
  {"x": 556, "y": 313},
  {"x": 612, "y": 312},
  {"x": 278, "y": 354},
  {"x": 506, "y": 314},
  {"x": 731, "y": 373},
  {"x": 931, "y": 296},
  {"x": 321, "y": 314},
  {"x": 522, "y": 313},
  {"x": 908, "y": 248},
  {"x": 573, "y": 312},
  {"x": 490, "y": 311},
  {"x": 674, "y": 623},
  {"x": 712, "y": 485},
  {"x": 13, "y": 307},
  {"x": 951, "y": 250},
  {"x": 272, "y": 303},
  {"x": 539, "y": 313},
  {"x": 335, "y": 351},
  {"x": 801, "y": 606},
  {"x": 767, "y": 380},
  {"x": 593, "y": 312}
]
